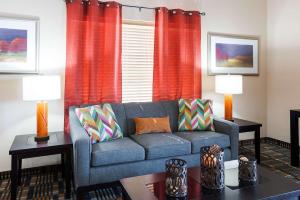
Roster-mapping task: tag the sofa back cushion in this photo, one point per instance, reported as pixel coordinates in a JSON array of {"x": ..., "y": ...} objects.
[
  {"x": 171, "y": 108},
  {"x": 147, "y": 109},
  {"x": 119, "y": 111},
  {"x": 126, "y": 112}
]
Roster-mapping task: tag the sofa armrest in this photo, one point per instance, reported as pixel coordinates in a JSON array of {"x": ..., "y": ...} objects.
[
  {"x": 231, "y": 129},
  {"x": 81, "y": 151}
]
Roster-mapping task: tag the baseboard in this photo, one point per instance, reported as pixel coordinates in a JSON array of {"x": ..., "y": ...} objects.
[
  {"x": 278, "y": 142},
  {"x": 267, "y": 140},
  {"x": 251, "y": 141}
]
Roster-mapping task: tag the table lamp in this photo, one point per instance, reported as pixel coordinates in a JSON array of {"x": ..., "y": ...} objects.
[
  {"x": 229, "y": 85},
  {"x": 41, "y": 88}
]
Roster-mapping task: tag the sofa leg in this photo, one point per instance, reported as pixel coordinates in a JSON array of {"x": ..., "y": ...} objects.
[{"x": 80, "y": 195}]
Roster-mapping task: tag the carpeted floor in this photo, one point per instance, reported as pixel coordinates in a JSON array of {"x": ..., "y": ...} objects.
[
  {"x": 276, "y": 158},
  {"x": 47, "y": 182}
]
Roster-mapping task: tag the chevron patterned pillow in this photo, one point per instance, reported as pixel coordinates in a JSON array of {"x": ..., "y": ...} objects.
[
  {"x": 195, "y": 114},
  {"x": 88, "y": 123},
  {"x": 106, "y": 122}
]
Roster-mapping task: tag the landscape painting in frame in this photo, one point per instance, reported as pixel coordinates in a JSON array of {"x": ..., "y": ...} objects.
[
  {"x": 18, "y": 45},
  {"x": 231, "y": 54}
]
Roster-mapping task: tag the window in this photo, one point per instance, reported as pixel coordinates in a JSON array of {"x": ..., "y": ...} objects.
[{"x": 137, "y": 62}]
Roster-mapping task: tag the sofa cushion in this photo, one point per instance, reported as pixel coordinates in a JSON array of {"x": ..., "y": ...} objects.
[
  {"x": 161, "y": 145},
  {"x": 147, "y": 109},
  {"x": 106, "y": 122},
  {"x": 195, "y": 115},
  {"x": 119, "y": 111},
  {"x": 152, "y": 125},
  {"x": 116, "y": 151},
  {"x": 88, "y": 123},
  {"x": 204, "y": 138}
]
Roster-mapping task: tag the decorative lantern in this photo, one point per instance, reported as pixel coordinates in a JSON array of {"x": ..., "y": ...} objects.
[
  {"x": 212, "y": 167},
  {"x": 176, "y": 178},
  {"x": 247, "y": 170}
]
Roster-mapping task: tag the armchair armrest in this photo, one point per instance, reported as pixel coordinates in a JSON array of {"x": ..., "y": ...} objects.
[
  {"x": 81, "y": 150},
  {"x": 231, "y": 129}
]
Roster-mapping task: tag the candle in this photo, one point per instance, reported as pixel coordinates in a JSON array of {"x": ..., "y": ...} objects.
[{"x": 243, "y": 158}]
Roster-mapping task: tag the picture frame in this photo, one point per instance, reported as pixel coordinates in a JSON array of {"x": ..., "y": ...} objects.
[
  {"x": 19, "y": 39},
  {"x": 233, "y": 54}
]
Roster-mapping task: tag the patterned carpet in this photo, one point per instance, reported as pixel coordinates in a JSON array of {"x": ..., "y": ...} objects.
[
  {"x": 47, "y": 182},
  {"x": 276, "y": 158}
]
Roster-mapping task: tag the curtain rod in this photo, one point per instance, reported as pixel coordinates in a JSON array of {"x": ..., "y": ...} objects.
[
  {"x": 151, "y": 8},
  {"x": 131, "y": 6}
]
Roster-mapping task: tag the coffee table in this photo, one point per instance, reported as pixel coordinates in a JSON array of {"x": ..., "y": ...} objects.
[{"x": 270, "y": 186}]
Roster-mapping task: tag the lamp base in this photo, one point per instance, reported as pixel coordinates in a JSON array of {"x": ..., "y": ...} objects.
[
  {"x": 41, "y": 139},
  {"x": 228, "y": 107}
]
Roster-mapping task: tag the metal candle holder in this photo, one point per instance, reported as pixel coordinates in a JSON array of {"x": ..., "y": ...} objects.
[
  {"x": 247, "y": 170},
  {"x": 212, "y": 167},
  {"x": 176, "y": 178}
]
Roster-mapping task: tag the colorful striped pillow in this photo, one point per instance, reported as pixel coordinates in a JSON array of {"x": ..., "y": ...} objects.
[
  {"x": 195, "y": 114},
  {"x": 106, "y": 122},
  {"x": 88, "y": 123}
]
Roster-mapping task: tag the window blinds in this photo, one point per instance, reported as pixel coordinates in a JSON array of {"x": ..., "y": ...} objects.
[{"x": 137, "y": 62}]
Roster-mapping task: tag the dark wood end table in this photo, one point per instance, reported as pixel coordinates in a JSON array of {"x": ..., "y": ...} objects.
[
  {"x": 24, "y": 146},
  {"x": 249, "y": 126}
]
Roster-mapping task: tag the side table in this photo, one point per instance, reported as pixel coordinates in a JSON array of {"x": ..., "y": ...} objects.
[
  {"x": 248, "y": 126},
  {"x": 24, "y": 146}
]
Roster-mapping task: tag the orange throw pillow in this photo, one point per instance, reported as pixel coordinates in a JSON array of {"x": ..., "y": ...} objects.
[{"x": 152, "y": 125}]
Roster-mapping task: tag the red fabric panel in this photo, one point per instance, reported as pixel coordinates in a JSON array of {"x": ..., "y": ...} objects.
[
  {"x": 177, "y": 55},
  {"x": 93, "y": 69}
]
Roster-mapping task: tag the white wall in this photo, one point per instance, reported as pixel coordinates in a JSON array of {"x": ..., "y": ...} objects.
[
  {"x": 243, "y": 17},
  {"x": 283, "y": 65},
  {"x": 16, "y": 116},
  {"x": 230, "y": 16}
]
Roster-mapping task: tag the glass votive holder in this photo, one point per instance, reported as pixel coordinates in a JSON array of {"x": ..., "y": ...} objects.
[
  {"x": 176, "y": 178},
  {"x": 247, "y": 170},
  {"x": 212, "y": 167}
]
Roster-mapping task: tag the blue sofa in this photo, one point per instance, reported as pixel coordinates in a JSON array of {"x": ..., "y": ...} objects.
[{"x": 136, "y": 155}]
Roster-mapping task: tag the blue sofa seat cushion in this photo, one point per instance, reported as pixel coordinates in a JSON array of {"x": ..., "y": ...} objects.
[
  {"x": 116, "y": 151},
  {"x": 204, "y": 138},
  {"x": 162, "y": 145}
]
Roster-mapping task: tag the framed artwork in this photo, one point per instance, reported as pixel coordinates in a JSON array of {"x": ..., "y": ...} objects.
[
  {"x": 18, "y": 45},
  {"x": 232, "y": 54}
]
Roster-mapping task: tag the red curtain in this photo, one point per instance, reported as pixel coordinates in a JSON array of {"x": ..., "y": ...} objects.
[
  {"x": 177, "y": 55},
  {"x": 93, "y": 69}
]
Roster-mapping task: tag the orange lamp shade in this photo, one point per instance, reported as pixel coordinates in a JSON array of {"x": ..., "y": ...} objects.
[
  {"x": 42, "y": 119},
  {"x": 228, "y": 107}
]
